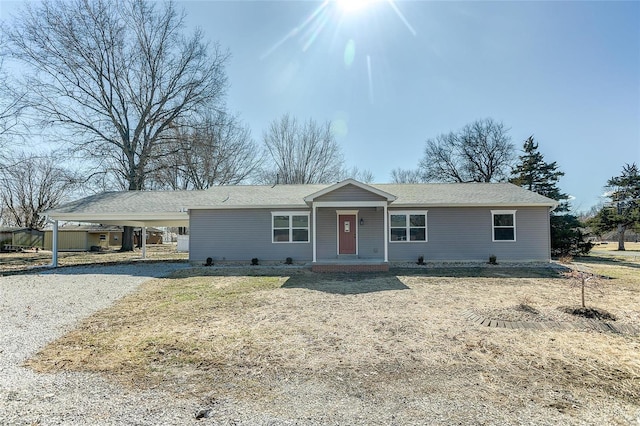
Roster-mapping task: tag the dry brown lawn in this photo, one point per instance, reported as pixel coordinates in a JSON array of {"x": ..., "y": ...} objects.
[{"x": 308, "y": 345}]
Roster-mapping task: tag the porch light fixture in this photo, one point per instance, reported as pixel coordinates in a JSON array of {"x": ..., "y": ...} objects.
[{"x": 361, "y": 221}]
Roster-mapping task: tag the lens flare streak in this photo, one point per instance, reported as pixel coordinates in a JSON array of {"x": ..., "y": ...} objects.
[
  {"x": 370, "y": 77},
  {"x": 402, "y": 17}
]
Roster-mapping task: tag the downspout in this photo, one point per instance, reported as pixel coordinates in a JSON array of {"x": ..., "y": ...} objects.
[{"x": 551, "y": 209}]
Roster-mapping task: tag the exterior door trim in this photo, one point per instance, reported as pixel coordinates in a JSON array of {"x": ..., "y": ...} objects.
[{"x": 346, "y": 212}]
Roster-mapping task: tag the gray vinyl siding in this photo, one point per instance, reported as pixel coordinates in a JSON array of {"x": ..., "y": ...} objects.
[
  {"x": 453, "y": 234},
  {"x": 240, "y": 235},
  {"x": 326, "y": 234},
  {"x": 350, "y": 193},
  {"x": 370, "y": 234},
  {"x": 465, "y": 234}
]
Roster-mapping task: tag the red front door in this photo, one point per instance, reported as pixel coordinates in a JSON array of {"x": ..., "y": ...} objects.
[{"x": 347, "y": 234}]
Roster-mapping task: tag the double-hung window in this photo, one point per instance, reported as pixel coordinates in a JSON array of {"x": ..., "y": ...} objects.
[
  {"x": 503, "y": 224},
  {"x": 290, "y": 227},
  {"x": 408, "y": 226}
]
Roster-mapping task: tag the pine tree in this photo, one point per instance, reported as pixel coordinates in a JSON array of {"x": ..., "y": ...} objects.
[
  {"x": 623, "y": 212},
  {"x": 534, "y": 174}
]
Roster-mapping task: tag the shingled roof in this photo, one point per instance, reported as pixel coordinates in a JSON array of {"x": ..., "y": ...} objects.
[{"x": 168, "y": 206}]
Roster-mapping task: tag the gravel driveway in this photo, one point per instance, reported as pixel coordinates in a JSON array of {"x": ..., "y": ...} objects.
[{"x": 38, "y": 308}]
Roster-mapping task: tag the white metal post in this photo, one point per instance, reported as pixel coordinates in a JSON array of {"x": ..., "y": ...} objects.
[
  {"x": 315, "y": 212},
  {"x": 386, "y": 235},
  {"x": 143, "y": 236},
  {"x": 54, "y": 244}
]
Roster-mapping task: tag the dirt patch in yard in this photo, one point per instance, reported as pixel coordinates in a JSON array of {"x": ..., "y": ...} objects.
[{"x": 333, "y": 348}]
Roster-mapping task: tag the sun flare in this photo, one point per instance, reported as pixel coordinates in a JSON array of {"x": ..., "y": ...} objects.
[{"x": 353, "y": 6}]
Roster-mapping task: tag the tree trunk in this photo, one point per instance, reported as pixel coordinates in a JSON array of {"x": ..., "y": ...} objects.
[
  {"x": 583, "y": 284},
  {"x": 127, "y": 239},
  {"x": 621, "y": 230}
]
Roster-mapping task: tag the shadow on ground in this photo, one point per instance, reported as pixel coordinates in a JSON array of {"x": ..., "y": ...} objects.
[
  {"x": 608, "y": 260},
  {"x": 482, "y": 272},
  {"x": 346, "y": 283}
]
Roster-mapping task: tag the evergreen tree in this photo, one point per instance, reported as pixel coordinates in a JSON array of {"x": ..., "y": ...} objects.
[
  {"x": 623, "y": 212},
  {"x": 533, "y": 173}
]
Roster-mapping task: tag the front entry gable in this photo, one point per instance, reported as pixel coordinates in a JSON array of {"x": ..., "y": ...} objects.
[{"x": 350, "y": 190}]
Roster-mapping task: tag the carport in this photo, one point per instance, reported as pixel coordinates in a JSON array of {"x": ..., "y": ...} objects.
[{"x": 140, "y": 209}]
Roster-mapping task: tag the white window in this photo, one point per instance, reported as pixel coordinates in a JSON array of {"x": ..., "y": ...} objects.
[
  {"x": 290, "y": 227},
  {"x": 408, "y": 226},
  {"x": 503, "y": 224}
]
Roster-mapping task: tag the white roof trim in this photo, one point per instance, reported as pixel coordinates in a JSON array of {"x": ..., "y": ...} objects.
[
  {"x": 301, "y": 206},
  {"x": 502, "y": 204},
  {"x": 364, "y": 186},
  {"x": 146, "y": 216}
]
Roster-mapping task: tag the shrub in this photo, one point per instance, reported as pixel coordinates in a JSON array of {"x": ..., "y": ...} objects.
[
  {"x": 567, "y": 237},
  {"x": 288, "y": 261},
  {"x": 421, "y": 260},
  {"x": 208, "y": 262},
  {"x": 254, "y": 261},
  {"x": 493, "y": 260}
]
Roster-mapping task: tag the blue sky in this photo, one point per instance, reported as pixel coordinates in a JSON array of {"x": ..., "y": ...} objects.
[
  {"x": 566, "y": 72},
  {"x": 391, "y": 75}
]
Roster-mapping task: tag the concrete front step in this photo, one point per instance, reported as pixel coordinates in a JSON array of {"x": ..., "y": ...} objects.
[{"x": 350, "y": 267}]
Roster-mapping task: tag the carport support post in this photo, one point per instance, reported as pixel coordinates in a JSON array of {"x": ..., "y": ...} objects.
[
  {"x": 143, "y": 237},
  {"x": 54, "y": 244}
]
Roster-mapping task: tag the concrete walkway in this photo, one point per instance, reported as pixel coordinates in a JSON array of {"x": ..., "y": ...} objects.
[{"x": 578, "y": 325}]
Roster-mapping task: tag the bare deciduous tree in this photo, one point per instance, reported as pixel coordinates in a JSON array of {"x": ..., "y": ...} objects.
[
  {"x": 36, "y": 185},
  {"x": 11, "y": 105},
  {"x": 481, "y": 152},
  {"x": 118, "y": 74},
  {"x": 221, "y": 151},
  {"x": 406, "y": 176},
  {"x": 301, "y": 153},
  {"x": 362, "y": 175}
]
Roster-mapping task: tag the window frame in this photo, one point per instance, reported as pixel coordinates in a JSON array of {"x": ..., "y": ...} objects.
[
  {"x": 291, "y": 228},
  {"x": 407, "y": 227},
  {"x": 495, "y": 213}
]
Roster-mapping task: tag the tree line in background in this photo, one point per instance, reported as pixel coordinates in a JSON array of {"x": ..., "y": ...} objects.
[
  {"x": 140, "y": 104},
  {"x": 482, "y": 152}
]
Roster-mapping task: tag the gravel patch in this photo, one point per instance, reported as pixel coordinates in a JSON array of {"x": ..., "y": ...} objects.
[{"x": 38, "y": 308}]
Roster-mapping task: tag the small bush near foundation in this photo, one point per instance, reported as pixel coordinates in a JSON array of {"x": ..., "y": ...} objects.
[
  {"x": 493, "y": 260},
  {"x": 420, "y": 260},
  {"x": 208, "y": 262},
  {"x": 288, "y": 261},
  {"x": 254, "y": 261}
]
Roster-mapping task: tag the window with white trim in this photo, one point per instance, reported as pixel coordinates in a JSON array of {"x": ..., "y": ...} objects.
[
  {"x": 290, "y": 227},
  {"x": 408, "y": 226},
  {"x": 503, "y": 225}
]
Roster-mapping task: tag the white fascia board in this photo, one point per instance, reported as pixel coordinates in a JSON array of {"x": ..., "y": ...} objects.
[
  {"x": 251, "y": 207},
  {"x": 119, "y": 217},
  {"x": 349, "y": 204},
  {"x": 430, "y": 205}
]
